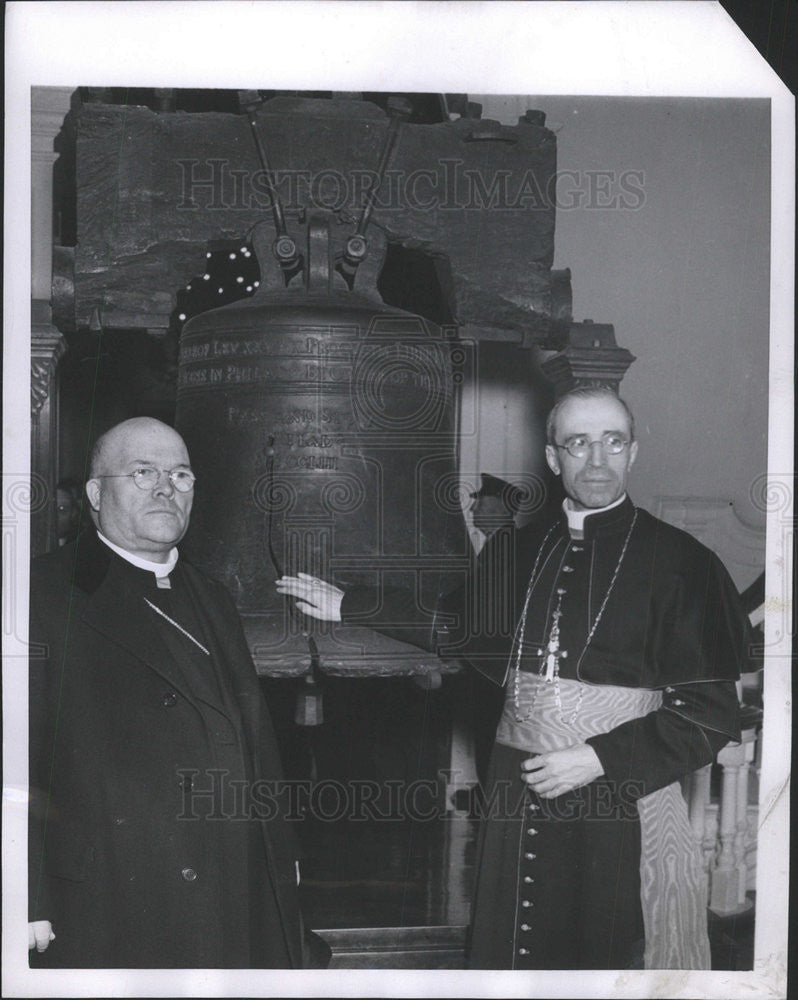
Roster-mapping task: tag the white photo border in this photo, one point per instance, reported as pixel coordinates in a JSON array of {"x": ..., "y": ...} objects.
[{"x": 607, "y": 48}]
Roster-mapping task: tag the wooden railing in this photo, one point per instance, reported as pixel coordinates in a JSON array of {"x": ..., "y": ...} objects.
[{"x": 725, "y": 825}]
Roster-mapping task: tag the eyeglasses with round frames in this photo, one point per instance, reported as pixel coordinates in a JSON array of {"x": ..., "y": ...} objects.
[
  {"x": 147, "y": 478},
  {"x": 579, "y": 446}
]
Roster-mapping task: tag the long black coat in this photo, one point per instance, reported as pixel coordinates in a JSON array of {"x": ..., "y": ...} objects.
[{"x": 124, "y": 879}]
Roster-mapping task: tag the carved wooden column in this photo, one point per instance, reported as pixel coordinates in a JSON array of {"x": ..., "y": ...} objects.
[
  {"x": 49, "y": 106},
  {"x": 47, "y": 346},
  {"x": 698, "y": 795},
  {"x": 752, "y": 845},
  {"x": 724, "y": 875},
  {"x": 741, "y": 829},
  {"x": 590, "y": 357}
]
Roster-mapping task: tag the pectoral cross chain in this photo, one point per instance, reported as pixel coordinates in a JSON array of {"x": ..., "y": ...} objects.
[{"x": 552, "y": 652}]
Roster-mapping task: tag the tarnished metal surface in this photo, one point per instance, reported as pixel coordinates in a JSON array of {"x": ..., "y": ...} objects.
[{"x": 321, "y": 428}]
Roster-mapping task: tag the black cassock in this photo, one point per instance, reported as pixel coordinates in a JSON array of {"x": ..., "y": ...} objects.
[{"x": 672, "y": 634}]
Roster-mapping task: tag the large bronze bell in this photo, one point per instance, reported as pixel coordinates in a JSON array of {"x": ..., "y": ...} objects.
[{"x": 320, "y": 424}]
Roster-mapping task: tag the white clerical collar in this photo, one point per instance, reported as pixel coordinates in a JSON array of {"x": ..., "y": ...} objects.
[
  {"x": 161, "y": 570},
  {"x": 576, "y": 518}
]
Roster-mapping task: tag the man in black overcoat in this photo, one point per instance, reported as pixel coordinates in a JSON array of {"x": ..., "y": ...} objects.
[{"x": 149, "y": 739}]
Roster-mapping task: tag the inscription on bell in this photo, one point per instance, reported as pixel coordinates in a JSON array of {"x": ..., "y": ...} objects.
[
  {"x": 307, "y": 416},
  {"x": 292, "y": 461},
  {"x": 194, "y": 352},
  {"x": 192, "y": 375},
  {"x": 309, "y": 440},
  {"x": 294, "y": 417},
  {"x": 237, "y": 345}
]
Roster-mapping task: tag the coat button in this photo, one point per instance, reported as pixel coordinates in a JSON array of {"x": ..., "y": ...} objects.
[
  {"x": 523, "y": 951},
  {"x": 169, "y": 699},
  {"x": 526, "y": 903},
  {"x": 528, "y": 879},
  {"x": 531, "y": 831},
  {"x": 189, "y": 875},
  {"x": 530, "y": 856},
  {"x": 526, "y": 927}
]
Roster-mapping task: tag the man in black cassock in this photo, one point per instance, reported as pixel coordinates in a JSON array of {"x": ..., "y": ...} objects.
[
  {"x": 619, "y": 680},
  {"x": 148, "y": 732}
]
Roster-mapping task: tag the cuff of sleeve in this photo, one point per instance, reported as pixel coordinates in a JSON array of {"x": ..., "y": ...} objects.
[
  {"x": 616, "y": 776},
  {"x": 357, "y": 602},
  {"x": 602, "y": 751}
]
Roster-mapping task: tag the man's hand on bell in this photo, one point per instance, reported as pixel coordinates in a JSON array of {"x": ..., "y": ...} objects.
[
  {"x": 316, "y": 598},
  {"x": 560, "y": 771}
]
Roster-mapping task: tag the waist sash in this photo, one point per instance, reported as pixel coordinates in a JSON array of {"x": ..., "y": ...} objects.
[{"x": 673, "y": 885}]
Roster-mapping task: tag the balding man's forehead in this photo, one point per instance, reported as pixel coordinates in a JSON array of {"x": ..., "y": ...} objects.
[
  {"x": 139, "y": 439},
  {"x": 145, "y": 429},
  {"x": 589, "y": 410}
]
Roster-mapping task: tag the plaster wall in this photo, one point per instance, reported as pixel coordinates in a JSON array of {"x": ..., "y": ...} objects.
[{"x": 683, "y": 274}]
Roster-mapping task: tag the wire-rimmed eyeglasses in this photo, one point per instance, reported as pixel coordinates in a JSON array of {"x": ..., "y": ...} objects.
[
  {"x": 579, "y": 446},
  {"x": 147, "y": 477}
]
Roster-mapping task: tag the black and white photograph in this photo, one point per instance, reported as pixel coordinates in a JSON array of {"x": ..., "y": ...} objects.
[{"x": 398, "y": 501}]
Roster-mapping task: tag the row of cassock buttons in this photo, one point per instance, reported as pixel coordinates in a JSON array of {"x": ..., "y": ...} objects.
[
  {"x": 531, "y": 831},
  {"x": 528, "y": 880},
  {"x": 533, "y": 808}
]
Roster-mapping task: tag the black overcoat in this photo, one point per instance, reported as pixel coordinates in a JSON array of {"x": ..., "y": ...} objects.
[{"x": 126, "y": 879}]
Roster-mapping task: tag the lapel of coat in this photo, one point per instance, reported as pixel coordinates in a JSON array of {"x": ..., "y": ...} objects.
[
  {"x": 119, "y": 616},
  {"x": 235, "y": 661}
]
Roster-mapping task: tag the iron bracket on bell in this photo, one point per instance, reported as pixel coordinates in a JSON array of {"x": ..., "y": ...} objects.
[
  {"x": 284, "y": 248},
  {"x": 399, "y": 109}
]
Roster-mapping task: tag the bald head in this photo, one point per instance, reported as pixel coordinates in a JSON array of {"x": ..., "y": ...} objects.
[
  {"x": 137, "y": 428},
  {"x": 146, "y": 522}
]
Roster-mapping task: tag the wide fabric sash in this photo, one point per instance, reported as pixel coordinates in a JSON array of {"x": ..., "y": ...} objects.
[{"x": 673, "y": 885}]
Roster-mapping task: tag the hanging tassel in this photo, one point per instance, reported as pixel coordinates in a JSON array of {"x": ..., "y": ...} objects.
[
  {"x": 309, "y": 703},
  {"x": 309, "y": 709}
]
